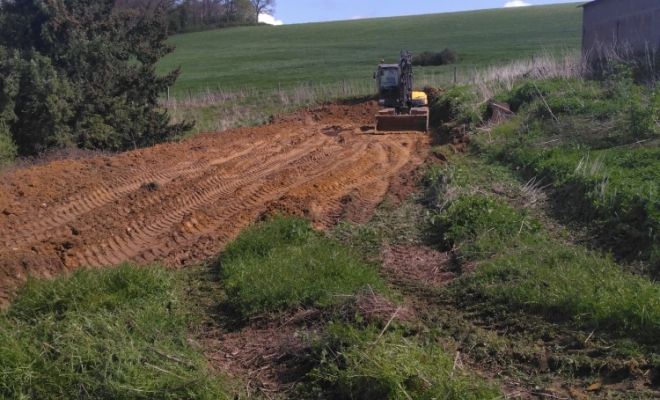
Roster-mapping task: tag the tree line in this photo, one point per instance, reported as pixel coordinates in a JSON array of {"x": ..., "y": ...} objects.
[{"x": 182, "y": 16}]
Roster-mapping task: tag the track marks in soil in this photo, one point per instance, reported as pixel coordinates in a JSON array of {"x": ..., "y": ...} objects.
[{"x": 182, "y": 202}]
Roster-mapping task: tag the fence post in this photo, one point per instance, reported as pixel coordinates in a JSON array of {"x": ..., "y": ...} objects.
[
  {"x": 533, "y": 60},
  {"x": 279, "y": 88},
  {"x": 168, "y": 93},
  {"x": 455, "y": 74},
  {"x": 190, "y": 95},
  {"x": 344, "y": 86}
]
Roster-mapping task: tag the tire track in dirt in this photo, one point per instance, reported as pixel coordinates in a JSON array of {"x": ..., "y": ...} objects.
[
  {"x": 86, "y": 202},
  {"x": 249, "y": 206},
  {"x": 98, "y": 211},
  {"x": 124, "y": 247}
]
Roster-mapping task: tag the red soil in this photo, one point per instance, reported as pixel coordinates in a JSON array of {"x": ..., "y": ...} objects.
[{"x": 181, "y": 202}]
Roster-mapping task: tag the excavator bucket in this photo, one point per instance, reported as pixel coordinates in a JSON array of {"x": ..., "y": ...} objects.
[{"x": 387, "y": 121}]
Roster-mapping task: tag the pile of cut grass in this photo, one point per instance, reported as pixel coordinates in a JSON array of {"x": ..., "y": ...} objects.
[
  {"x": 105, "y": 333},
  {"x": 284, "y": 263}
]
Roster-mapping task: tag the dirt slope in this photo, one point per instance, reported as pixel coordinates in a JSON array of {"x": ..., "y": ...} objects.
[{"x": 182, "y": 202}]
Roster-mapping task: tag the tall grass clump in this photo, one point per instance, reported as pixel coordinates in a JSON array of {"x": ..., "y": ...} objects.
[
  {"x": 465, "y": 100},
  {"x": 473, "y": 221},
  {"x": 284, "y": 263},
  {"x": 361, "y": 364},
  {"x": 106, "y": 333},
  {"x": 494, "y": 79}
]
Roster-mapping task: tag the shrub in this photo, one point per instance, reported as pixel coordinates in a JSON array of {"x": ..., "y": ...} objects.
[
  {"x": 448, "y": 56},
  {"x": 284, "y": 263},
  {"x": 80, "y": 73},
  {"x": 428, "y": 58}
]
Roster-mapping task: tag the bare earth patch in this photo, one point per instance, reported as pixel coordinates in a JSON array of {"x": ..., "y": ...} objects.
[{"x": 417, "y": 264}]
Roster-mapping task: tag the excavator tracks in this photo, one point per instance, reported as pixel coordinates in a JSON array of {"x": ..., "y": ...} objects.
[{"x": 180, "y": 203}]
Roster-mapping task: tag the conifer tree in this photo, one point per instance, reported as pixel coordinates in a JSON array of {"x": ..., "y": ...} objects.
[{"x": 75, "y": 72}]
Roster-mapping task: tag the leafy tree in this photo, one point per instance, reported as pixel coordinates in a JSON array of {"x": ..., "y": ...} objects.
[
  {"x": 262, "y": 7},
  {"x": 75, "y": 72}
]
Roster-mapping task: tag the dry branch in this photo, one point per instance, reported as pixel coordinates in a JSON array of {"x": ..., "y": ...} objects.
[{"x": 169, "y": 357}]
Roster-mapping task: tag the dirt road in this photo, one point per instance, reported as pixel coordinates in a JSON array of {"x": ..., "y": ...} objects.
[{"x": 182, "y": 202}]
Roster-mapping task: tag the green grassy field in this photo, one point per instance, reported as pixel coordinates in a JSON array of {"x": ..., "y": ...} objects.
[{"x": 330, "y": 52}]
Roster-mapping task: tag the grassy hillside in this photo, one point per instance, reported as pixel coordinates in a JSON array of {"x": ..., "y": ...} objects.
[{"x": 329, "y": 52}]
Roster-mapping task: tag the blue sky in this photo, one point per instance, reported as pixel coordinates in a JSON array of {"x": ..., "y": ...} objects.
[{"x": 301, "y": 11}]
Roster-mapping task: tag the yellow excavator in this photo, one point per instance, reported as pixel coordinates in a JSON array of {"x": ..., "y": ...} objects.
[{"x": 402, "y": 109}]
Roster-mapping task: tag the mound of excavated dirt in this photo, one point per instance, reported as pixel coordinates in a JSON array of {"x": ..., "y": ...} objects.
[{"x": 181, "y": 202}]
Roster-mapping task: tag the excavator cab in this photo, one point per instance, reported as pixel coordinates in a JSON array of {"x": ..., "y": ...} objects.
[
  {"x": 402, "y": 110},
  {"x": 389, "y": 77}
]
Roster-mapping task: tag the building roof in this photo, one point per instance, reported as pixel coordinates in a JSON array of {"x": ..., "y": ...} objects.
[{"x": 591, "y": 2}]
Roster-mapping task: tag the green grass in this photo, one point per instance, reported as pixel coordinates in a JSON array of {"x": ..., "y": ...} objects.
[
  {"x": 330, "y": 52},
  {"x": 103, "y": 334},
  {"x": 523, "y": 264},
  {"x": 358, "y": 363},
  {"x": 284, "y": 263},
  {"x": 582, "y": 138}
]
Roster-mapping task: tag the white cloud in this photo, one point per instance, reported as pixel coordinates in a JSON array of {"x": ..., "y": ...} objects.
[
  {"x": 364, "y": 16},
  {"x": 516, "y": 3},
  {"x": 269, "y": 19}
]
